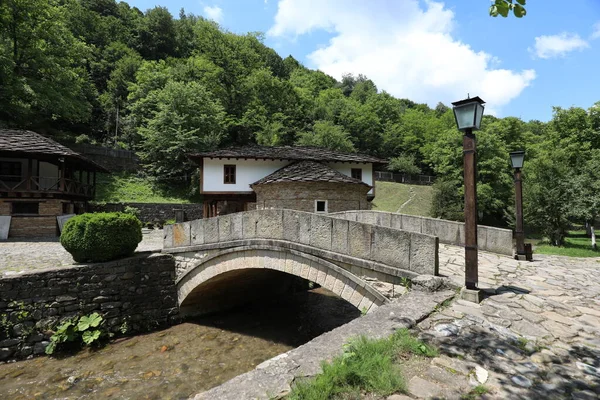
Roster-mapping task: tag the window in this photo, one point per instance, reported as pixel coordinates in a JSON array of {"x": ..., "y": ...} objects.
[
  {"x": 357, "y": 173},
  {"x": 229, "y": 174},
  {"x": 25, "y": 208},
  {"x": 320, "y": 206},
  {"x": 10, "y": 171}
]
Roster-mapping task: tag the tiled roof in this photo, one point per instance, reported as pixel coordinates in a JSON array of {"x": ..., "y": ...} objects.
[
  {"x": 307, "y": 171},
  {"x": 288, "y": 153},
  {"x": 21, "y": 141}
]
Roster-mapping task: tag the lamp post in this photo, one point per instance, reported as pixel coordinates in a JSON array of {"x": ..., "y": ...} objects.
[
  {"x": 468, "y": 114},
  {"x": 517, "y": 158}
]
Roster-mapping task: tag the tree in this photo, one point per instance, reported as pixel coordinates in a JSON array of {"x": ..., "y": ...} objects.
[
  {"x": 503, "y": 8},
  {"x": 548, "y": 195},
  {"x": 587, "y": 186},
  {"x": 404, "y": 164},
  {"x": 187, "y": 119},
  {"x": 41, "y": 73},
  {"x": 326, "y": 134},
  {"x": 156, "y": 34}
]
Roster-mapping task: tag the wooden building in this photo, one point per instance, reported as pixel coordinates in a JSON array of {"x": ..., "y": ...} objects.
[{"x": 40, "y": 180}]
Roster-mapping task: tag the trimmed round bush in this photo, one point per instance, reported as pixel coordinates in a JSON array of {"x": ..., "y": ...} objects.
[{"x": 100, "y": 237}]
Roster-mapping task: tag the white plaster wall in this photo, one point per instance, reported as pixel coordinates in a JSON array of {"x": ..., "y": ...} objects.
[
  {"x": 250, "y": 171},
  {"x": 247, "y": 172},
  {"x": 346, "y": 169}
]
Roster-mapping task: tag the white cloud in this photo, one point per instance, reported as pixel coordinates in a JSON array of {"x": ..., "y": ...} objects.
[
  {"x": 555, "y": 46},
  {"x": 215, "y": 13},
  {"x": 406, "y": 50},
  {"x": 596, "y": 32}
]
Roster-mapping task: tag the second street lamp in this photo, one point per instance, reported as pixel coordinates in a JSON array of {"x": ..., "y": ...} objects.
[
  {"x": 517, "y": 158},
  {"x": 468, "y": 114}
]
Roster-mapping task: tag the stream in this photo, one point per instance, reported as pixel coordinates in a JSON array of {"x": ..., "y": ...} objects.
[{"x": 182, "y": 360}]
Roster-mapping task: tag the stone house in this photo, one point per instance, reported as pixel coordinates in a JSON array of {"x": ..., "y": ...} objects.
[
  {"x": 294, "y": 177},
  {"x": 41, "y": 180}
]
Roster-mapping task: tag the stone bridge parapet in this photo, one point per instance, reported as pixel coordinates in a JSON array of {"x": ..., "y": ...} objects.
[
  {"x": 494, "y": 240},
  {"x": 393, "y": 251}
]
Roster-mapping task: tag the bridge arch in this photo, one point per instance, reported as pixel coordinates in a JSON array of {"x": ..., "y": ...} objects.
[{"x": 262, "y": 267}]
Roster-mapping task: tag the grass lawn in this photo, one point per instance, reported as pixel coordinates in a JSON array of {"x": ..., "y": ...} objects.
[
  {"x": 403, "y": 198},
  {"x": 366, "y": 365},
  {"x": 121, "y": 188},
  {"x": 577, "y": 244}
]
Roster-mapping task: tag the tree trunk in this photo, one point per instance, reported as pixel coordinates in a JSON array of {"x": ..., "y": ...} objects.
[{"x": 593, "y": 235}]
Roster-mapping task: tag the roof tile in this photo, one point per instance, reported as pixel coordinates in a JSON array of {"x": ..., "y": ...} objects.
[{"x": 307, "y": 171}]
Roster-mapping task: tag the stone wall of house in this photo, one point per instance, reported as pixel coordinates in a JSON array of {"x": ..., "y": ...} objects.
[
  {"x": 40, "y": 225},
  {"x": 134, "y": 294},
  {"x": 301, "y": 196},
  {"x": 150, "y": 212}
]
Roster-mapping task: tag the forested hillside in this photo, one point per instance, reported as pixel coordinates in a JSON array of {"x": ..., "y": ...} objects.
[{"x": 102, "y": 71}]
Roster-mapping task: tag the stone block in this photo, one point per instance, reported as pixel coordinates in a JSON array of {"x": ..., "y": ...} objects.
[
  {"x": 181, "y": 234},
  {"x": 481, "y": 237},
  {"x": 340, "y": 236},
  {"x": 391, "y": 247},
  {"x": 424, "y": 254},
  {"x": 270, "y": 224},
  {"x": 304, "y": 232},
  {"x": 211, "y": 230},
  {"x": 383, "y": 219},
  {"x": 367, "y": 217},
  {"x": 291, "y": 223},
  {"x": 4, "y": 226},
  {"x": 395, "y": 221},
  {"x": 197, "y": 231},
  {"x": 321, "y": 231},
  {"x": 168, "y": 236},
  {"x": 412, "y": 224},
  {"x": 473, "y": 296},
  {"x": 359, "y": 239},
  {"x": 499, "y": 241}
]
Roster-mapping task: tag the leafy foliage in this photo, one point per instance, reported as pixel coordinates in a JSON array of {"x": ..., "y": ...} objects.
[
  {"x": 503, "y": 8},
  {"x": 101, "y": 236},
  {"x": 405, "y": 164},
  {"x": 87, "y": 329}
]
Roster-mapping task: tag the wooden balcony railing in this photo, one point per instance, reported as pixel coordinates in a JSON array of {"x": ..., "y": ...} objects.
[{"x": 42, "y": 184}]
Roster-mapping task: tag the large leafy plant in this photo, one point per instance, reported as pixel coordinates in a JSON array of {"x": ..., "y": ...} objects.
[{"x": 87, "y": 329}]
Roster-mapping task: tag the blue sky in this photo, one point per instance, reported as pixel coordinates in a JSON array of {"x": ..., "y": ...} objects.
[{"x": 430, "y": 51}]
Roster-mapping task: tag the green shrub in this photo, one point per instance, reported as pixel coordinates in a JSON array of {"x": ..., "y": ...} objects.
[{"x": 101, "y": 236}]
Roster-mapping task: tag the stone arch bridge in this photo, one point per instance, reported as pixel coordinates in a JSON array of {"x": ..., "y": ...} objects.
[{"x": 226, "y": 260}]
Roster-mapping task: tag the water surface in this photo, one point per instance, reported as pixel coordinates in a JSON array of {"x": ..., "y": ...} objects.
[{"x": 182, "y": 360}]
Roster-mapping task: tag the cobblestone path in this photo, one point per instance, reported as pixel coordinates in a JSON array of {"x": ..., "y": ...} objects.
[
  {"x": 535, "y": 336},
  {"x": 21, "y": 255}
]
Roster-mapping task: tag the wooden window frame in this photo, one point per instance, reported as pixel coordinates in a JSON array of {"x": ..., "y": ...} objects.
[
  {"x": 326, "y": 207},
  {"x": 229, "y": 174},
  {"x": 356, "y": 171},
  {"x": 10, "y": 166}
]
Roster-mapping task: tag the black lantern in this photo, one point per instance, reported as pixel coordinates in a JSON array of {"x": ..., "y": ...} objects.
[
  {"x": 517, "y": 158},
  {"x": 468, "y": 113}
]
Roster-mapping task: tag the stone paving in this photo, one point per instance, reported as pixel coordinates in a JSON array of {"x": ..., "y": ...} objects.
[
  {"x": 21, "y": 255},
  {"x": 535, "y": 336}
]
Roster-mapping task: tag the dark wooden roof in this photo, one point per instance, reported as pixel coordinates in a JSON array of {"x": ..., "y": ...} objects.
[
  {"x": 293, "y": 153},
  {"x": 21, "y": 143},
  {"x": 307, "y": 171}
]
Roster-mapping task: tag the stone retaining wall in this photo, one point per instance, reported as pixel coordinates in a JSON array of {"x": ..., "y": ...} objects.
[
  {"x": 136, "y": 293},
  {"x": 150, "y": 212},
  {"x": 415, "y": 252},
  {"x": 495, "y": 240}
]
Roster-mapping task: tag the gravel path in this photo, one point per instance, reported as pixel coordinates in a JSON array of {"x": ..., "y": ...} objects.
[{"x": 18, "y": 255}]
